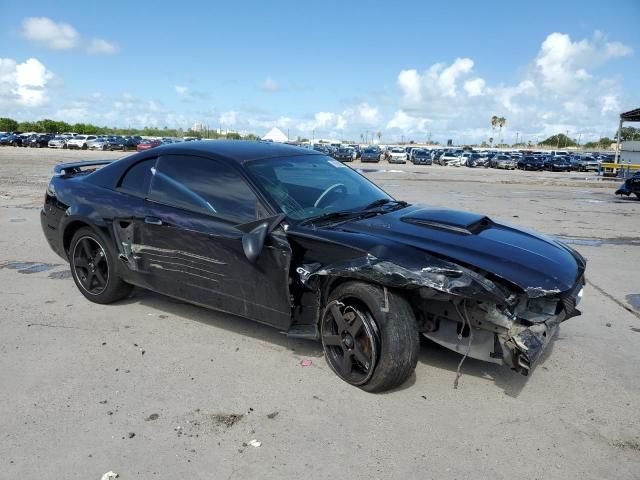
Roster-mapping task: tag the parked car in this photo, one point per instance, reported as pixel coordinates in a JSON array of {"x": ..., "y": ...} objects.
[
  {"x": 557, "y": 164},
  {"x": 420, "y": 156},
  {"x": 117, "y": 142},
  {"x": 529, "y": 162},
  {"x": 40, "y": 141},
  {"x": 630, "y": 185},
  {"x": 281, "y": 236},
  {"x": 80, "y": 141},
  {"x": 450, "y": 160},
  {"x": 58, "y": 142},
  {"x": 503, "y": 161},
  {"x": 13, "y": 139},
  {"x": 99, "y": 143},
  {"x": 585, "y": 164},
  {"x": 397, "y": 155},
  {"x": 370, "y": 155},
  {"x": 475, "y": 160},
  {"x": 345, "y": 154},
  {"x": 148, "y": 144}
]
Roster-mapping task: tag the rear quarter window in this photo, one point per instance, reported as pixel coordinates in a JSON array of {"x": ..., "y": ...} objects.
[{"x": 137, "y": 179}]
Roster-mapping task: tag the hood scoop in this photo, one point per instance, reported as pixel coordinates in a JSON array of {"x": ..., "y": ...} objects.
[{"x": 464, "y": 223}]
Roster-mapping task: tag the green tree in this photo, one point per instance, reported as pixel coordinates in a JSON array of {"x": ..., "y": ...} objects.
[
  {"x": 629, "y": 134},
  {"x": 558, "y": 140},
  {"x": 494, "y": 124},
  {"x": 501, "y": 123},
  {"x": 8, "y": 125}
]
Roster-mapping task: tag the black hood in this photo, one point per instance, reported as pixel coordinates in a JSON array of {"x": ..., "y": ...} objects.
[{"x": 535, "y": 263}]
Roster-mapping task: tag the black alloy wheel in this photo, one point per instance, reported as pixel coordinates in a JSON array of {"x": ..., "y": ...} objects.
[
  {"x": 351, "y": 342},
  {"x": 90, "y": 265}
]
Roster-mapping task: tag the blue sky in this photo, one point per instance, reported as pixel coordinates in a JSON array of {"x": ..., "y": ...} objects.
[{"x": 413, "y": 69}]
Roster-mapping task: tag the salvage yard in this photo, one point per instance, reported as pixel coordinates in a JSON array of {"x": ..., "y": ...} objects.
[{"x": 154, "y": 388}]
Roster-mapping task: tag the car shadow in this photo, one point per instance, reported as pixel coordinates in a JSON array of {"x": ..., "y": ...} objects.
[
  {"x": 431, "y": 354},
  {"x": 502, "y": 376},
  {"x": 227, "y": 321}
]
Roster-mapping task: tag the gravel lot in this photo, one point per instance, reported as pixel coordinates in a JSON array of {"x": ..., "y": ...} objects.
[{"x": 153, "y": 388}]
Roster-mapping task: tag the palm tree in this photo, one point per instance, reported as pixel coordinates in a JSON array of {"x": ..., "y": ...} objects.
[
  {"x": 494, "y": 124},
  {"x": 379, "y": 135},
  {"x": 501, "y": 123}
]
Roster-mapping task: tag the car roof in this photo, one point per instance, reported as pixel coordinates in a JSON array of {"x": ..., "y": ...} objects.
[{"x": 240, "y": 151}]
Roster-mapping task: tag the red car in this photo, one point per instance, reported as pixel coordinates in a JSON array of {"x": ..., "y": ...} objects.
[{"x": 148, "y": 144}]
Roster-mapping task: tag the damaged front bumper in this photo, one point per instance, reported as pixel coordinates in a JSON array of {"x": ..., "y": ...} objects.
[{"x": 523, "y": 350}]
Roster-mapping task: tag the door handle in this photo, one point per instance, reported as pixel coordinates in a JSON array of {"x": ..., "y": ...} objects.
[{"x": 152, "y": 220}]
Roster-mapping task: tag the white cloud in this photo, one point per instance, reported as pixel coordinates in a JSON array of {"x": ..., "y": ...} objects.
[
  {"x": 474, "y": 87},
  {"x": 323, "y": 121},
  {"x": 181, "y": 90},
  {"x": 62, "y": 36},
  {"x": 609, "y": 104},
  {"x": 270, "y": 85},
  {"x": 409, "y": 83},
  {"x": 43, "y": 30},
  {"x": 408, "y": 123},
  {"x": 563, "y": 63},
  {"x": 448, "y": 77},
  {"x": 228, "y": 119},
  {"x": 24, "y": 83},
  {"x": 368, "y": 114},
  {"x": 561, "y": 88},
  {"x": 439, "y": 80},
  {"x": 99, "y": 46}
]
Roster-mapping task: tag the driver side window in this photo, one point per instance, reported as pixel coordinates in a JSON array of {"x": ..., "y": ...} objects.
[{"x": 203, "y": 185}]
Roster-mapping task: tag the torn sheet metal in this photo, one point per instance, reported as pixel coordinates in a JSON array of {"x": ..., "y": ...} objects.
[{"x": 439, "y": 275}]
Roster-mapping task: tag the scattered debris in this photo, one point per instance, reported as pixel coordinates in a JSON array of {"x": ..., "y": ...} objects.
[
  {"x": 272, "y": 415},
  {"x": 306, "y": 362},
  {"x": 227, "y": 420},
  {"x": 152, "y": 417},
  {"x": 163, "y": 316},
  {"x": 608, "y": 324},
  {"x": 110, "y": 476},
  {"x": 255, "y": 443},
  {"x": 50, "y": 325},
  {"x": 131, "y": 434},
  {"x": 102, "y": 402},
  {"x": 634, "y": 329},
  {"x": 627, "y": 444}
]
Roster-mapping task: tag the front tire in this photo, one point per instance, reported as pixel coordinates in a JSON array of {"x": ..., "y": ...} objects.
[
  {"x": 369, "y": 336},
  {"x": 93, "y": 267}
]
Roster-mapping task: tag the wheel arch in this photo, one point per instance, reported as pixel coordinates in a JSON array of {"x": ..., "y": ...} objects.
[{"x": 76, "y": 224}]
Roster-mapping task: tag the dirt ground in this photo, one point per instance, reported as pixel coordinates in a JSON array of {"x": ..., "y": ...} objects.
[{"x": 154, "y": 388}]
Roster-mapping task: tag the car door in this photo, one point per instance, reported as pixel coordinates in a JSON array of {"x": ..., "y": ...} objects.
[{"x": 192, "y": 247}]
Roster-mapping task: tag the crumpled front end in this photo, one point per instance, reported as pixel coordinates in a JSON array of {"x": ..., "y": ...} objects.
[{"x": 471, "y": 312}]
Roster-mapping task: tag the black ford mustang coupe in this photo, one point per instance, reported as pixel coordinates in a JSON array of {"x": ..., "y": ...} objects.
[{"x": 291, "y": 238}]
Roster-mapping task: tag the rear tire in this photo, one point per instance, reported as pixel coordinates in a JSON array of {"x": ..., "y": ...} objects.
[
  {"x": 93, "y": 267},
  {"x": 388, "y": 336}
]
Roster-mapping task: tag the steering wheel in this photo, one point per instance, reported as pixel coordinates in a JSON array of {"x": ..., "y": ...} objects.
[{"x": 324, "y": 194}]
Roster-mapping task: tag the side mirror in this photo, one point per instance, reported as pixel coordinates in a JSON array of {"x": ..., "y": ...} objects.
[
  {"x": 256, "y": 233},
  {"x": 253, "y": 241}
]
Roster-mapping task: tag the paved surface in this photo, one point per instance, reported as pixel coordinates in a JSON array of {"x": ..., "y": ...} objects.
[{"x": 194, "y": 387}]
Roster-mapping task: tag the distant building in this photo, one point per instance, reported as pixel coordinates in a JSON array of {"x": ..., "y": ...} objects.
[
  {"x": 197, "y": 127},
  {"x": 630, "y": 152}
]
